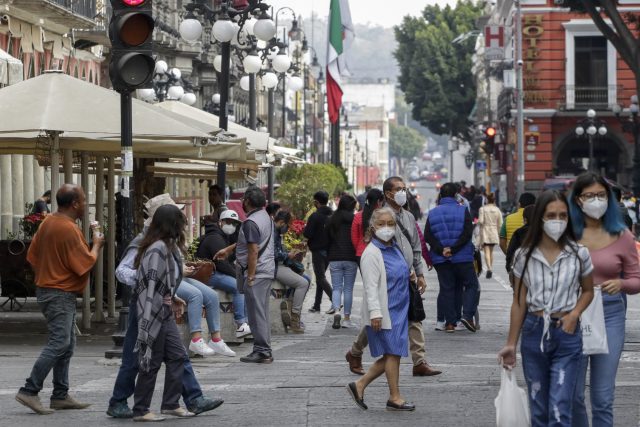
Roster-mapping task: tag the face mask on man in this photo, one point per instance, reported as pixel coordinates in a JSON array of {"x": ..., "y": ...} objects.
[
  {"x": 400, "y": 197},
  {"x": 385, "y": 233},
  {"x": 228, "y": 229},
  {"x": 595, "y": 208},
  {"x": 555, "y": 228}
]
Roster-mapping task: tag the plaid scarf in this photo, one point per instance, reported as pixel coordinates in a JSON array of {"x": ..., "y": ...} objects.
[{"x": 156, "y": 278}]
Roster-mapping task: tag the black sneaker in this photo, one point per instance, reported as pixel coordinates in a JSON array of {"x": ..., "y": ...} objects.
[
  {"x": 120, "y": 410},
  {"x": 336, "y": 321},
  {"x": 489, "y": 274},
  {"x": 257, "y": 357},
  {"x": 314, "y": 310},
  {"x": 468, "y": 324},
  {"x": 204, "y": 404}
]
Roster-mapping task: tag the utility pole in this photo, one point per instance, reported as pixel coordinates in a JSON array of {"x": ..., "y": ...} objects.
[{"x": 520, "y": 98}]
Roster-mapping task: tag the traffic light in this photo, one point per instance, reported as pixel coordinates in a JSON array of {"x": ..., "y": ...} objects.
[
  {"x": 130, "y": 31},
  {"x": 488, "y": 139}
]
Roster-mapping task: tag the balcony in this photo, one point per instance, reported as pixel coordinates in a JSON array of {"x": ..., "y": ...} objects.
[
  {"x": 58, "y": 15},
  {"x": 585, "y": 97}
]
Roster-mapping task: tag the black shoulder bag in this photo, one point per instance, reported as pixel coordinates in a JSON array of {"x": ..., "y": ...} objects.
[{"x": 416, "y": 307}]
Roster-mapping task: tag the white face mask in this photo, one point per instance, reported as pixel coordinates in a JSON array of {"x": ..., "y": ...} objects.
[
  {"x": 555, "y": 228},
  {"x": 595, "y": 208},
  {"x": 385, "y": 233},
  {"x": 228, "y": 229},
  {"x": 400, "y": 198}
]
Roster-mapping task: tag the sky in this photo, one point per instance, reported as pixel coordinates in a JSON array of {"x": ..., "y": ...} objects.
[{"x": 381, "y": 12}]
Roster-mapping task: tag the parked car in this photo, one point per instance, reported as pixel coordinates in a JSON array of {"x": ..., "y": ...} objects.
[
  {"x": 436, "y": 156},
  {"x": 433, "y": 176},
  {"x": 426, "y": 157}
]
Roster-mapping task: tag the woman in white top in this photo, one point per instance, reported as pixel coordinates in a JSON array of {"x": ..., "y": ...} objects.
[
  {"x": 553, "y": 286},
  {"x": 489, "y": 221}
]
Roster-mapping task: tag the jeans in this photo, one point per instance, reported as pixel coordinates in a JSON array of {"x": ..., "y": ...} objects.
[
  {"x": 226, "y": 283},
  {"x": 197, "y": 295},
  {"x": 458, "y": 287},
  {"x": 551, "y": 374},
  {"x": 126, "y": 380},
  {"x": 603, "y": 368},
  {"x": 343, "y": 277},
  {"x": 59, "y": 309},
  {"x": 320, "y": 264}
]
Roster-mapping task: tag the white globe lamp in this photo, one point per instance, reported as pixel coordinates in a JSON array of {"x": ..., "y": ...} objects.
[
  {"x": 281, "y": 62},
  {"x": 161, "y": 67},
  {"x": 252, "y": 63},
  {"x": 146, "y": 94},
  {"x": 190, "y": 30},
  {"x": 270, "y": 80},
  {"x": 296, "y": 83},
  {"x": 264, "y": 29},
  {"x": 176, "y": 73},
  {"x": 215, "y": 98},
  {"x": 602, "y": 130},
  {"x": 224, "y": 30},
  {"x": 175, "y": 92},
  {"x": 245, "y": 83},
  {"x": 592, "y": 130},
  {"x": 579, "y": 131},
  {"x": 189, "y": 98},
  {"x": 591, "y": 113}
]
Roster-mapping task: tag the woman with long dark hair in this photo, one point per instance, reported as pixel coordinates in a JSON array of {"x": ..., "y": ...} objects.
[
  {"x": 373, "y": 201},
  {"x": 597, "y": 223},
  {"x": 343, "y": 264},
  {"x": 553, "y": 286},
  {"x": 159, "y": 264}
]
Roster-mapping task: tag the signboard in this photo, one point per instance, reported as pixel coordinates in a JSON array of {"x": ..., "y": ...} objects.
[
  {"x": 481, "y": 165},
  {"x": 468, "y": 160},
  {"x": 494, "y": 42},
  {"x": 532, "y": 138}
]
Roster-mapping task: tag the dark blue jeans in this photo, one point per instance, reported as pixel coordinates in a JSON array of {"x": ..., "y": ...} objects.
[
  {"x": 59, "y": 309},
  {"x": 126, "y": 380},
  {"x": 551, "y": 374},
  {"x": 458, "y": 286}
]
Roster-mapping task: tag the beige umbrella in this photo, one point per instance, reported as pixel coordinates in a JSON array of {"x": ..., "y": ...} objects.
[{"x": 258, "y": 141}]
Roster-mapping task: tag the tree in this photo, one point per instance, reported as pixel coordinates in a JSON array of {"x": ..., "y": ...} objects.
[
  {"x": 404, "y": 142},
  {"x": 435, "y": 72},
  {"x": 625, "y": 37},
  {"x": 300, "y": 183}
]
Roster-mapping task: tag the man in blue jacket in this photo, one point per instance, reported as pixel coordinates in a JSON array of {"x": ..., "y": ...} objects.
[{"x": 448, "y": 232}]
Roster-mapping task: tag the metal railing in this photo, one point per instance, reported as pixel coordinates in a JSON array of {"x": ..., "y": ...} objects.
[
  {"x": 585, "y": 97},
  {"x": 86, "y": 8}
]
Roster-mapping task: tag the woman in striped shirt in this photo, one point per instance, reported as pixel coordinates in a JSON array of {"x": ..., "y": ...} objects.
[{"x": 553, "y": 286}]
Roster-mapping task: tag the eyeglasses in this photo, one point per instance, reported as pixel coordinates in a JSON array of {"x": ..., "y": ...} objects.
[{"x": 590, "y": 197}]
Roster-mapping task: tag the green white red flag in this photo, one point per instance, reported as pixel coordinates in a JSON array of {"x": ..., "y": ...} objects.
[{"x": 340, "y": 36}]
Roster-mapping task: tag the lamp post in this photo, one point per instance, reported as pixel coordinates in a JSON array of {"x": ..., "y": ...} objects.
[
  {"x": 168, "y": 84},
  {"x": 228, "y": 22},
  {"x": 591, "y": 126},
  {"x": 631, "y": 125}
]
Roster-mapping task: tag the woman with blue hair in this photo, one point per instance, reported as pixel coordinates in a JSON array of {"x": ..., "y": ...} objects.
[{"x": 597, "y": 224}]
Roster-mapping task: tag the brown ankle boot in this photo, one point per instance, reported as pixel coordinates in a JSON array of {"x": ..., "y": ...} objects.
[{"x": 295, "y": 324}]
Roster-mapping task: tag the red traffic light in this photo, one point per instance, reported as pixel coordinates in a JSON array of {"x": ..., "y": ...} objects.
[
  {"x": 133, "y": 3},
  {"x": 490, "y": 132},
  {"x": 133, "y": 28}
]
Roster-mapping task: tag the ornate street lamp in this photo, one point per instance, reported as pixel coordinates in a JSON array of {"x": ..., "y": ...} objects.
[
  {"x": 228, "y": 23},
  {"x": 591, "y": 126}
]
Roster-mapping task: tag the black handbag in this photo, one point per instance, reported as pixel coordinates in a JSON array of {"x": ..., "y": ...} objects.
[{"x": 416, "y": 307}]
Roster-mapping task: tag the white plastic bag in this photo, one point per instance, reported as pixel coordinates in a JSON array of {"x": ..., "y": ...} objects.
[
  {"x": 512, "y": 406},
  {"x": 594, "y": 333}
]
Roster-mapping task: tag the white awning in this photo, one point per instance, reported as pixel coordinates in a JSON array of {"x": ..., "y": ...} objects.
[{"x": 11, "y": 69}]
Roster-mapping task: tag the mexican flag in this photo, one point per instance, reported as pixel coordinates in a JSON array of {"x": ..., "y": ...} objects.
[{"x": 340, "y": 36}]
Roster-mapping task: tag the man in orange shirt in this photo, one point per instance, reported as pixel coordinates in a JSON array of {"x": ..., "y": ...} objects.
[{"x": 62, "y": 262}]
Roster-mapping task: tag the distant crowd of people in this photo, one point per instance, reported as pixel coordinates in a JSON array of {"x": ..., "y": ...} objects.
[{"x": 557, "y": 249}]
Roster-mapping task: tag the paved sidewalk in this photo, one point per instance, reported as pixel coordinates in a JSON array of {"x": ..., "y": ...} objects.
[{"x": 305, "y": 386}]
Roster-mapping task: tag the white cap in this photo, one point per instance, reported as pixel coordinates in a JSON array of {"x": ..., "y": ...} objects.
[
  {"x": 229, "y": 214},
  {"x": 154, "y": 203}
]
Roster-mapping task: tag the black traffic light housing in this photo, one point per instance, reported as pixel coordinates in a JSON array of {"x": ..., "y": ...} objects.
[
  {"x": 489, "y": 139},
  {"x": 130, "y": 31}
]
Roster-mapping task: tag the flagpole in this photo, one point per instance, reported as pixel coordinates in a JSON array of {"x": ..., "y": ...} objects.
[{"x": 335, "y": 143}]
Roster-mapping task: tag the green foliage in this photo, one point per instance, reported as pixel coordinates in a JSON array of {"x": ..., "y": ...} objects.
[
  {"x": 298, "y": 184},
  {"x": 435, "y": 72},
  {"x": 404, "y": 142}
]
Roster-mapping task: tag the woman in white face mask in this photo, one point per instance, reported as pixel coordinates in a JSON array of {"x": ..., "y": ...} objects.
[
  {"x": 385, "y": 276},
  {"x": 553, "y": 286},
  {"x": 598, "y": 225}
]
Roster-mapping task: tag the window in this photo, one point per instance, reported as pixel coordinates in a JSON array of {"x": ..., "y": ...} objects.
[{"x": 591, "y": 78}]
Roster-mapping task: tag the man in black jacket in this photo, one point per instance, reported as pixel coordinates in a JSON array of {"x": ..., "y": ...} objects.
[
  {"x": 318, "y": 243},
  {"x": 219, "y": 235}
]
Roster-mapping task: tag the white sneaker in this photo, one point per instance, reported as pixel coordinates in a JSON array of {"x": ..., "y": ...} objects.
[
  {"x": 440, "y": 326},
  {"x": 222, "y": 348},
  {"x": 243, "y": 331},
  {"x": 460, "y": 327},
  {"x": 199, "y": 347},
  {"x": 346, "y": 323}
]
